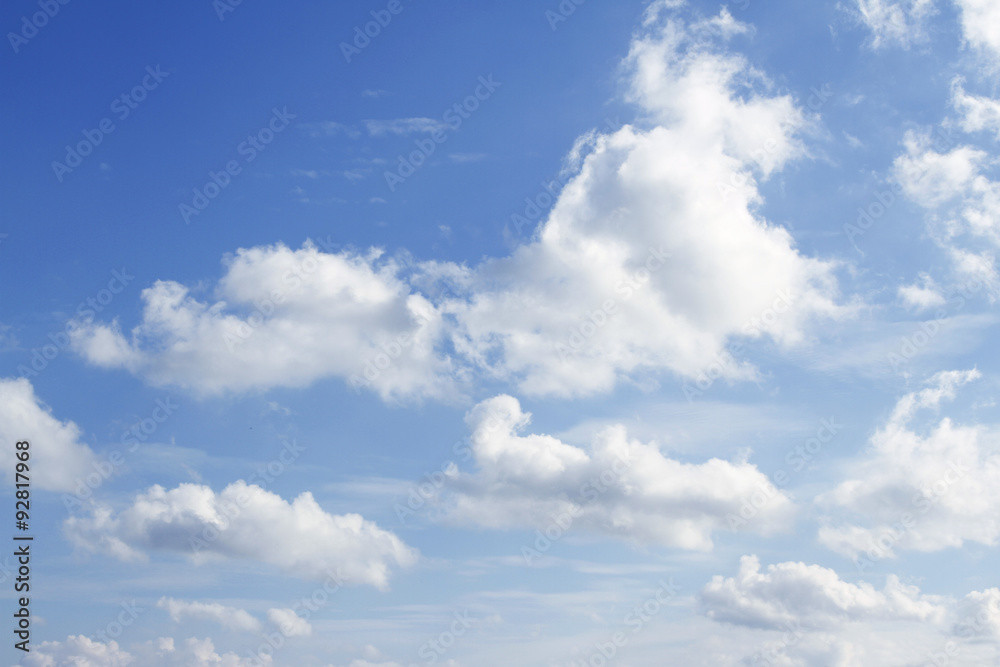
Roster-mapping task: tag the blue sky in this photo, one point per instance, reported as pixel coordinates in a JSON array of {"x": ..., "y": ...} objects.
[{"x": 631, "y": 333}]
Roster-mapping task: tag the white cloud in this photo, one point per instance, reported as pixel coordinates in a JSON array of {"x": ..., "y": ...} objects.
[
  {"x": 58, "y": 460},
  {"x": 981, "y": 25},
  {"x": 283, "y": 318},
  {"x": 963, "y": 204},
  {"x": 922, "y": 296},
  {"x": 977, "y": 269},
  {"x": 977, "y": 113},
  {"x": 329, "y": 129},
  {"x": 467, "y": 157},
  {"x": 653, "y": 256},
  {"x": 404, "y": 126},
  {"x": 79, "y": 651},
  {"x": 915, "y": 491},
  {"x": 979, "y": 615},
  {"x": 931, "y": 177},
  {"x": 793, "y": 594},
  {"x": 289, "y": 623},
  {"x": 228, "y": 617},
  {"x": 8, "y": 341},
  {"x": 244, "y": 521},
  {"x": 896, "y": 22},
  {"x": 618, "y": 487},
  {"x": 798, "y": 615}
]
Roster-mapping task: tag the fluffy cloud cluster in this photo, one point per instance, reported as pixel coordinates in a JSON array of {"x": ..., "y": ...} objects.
[
  {"x": 981, "y": 25},
  {"x": 946, "y": 172},
  {"x": 799, "y": 615},
  {"x": 244, "y": 521},
  {"x": 796, "y": 594},
  {"x": 976, "y": 113},
  {"x": 904, "y": 22},
  {"x": 58, "y": 460},
  {"x": 963, "y": 204},
  {"x": 79, "y": 651},
  {"x": 979, "y": 615},
  {"x": 653, "y": 256},
  {"x": 282, "y": 318},
  {"x": 618, "y": 487},
  {"x": 919, "y": 491}
]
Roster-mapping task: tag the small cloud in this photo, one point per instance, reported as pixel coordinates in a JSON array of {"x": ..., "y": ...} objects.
[
  {"x": 853, "y": 141},
  {"x": 376, "y": 200},
  {"x": 329, "y": 128},
  {"x": 274, "y": 406},
  {"x": 7, "y": 340},
  {"x": 228, "y": 617},
  {"x": 374, "y": 93},
  {"x": 920, "y": 298},
  {"x": 467, "y": 157},
  {"x": 923, "y": 295},
  {"x": 308, "y": 173},
  {"x": 404, "y": 126},
  {"x": 445, "y": 231},
  {"x": 289, "y": 623},
  {"x": 354, "y": 175}
]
